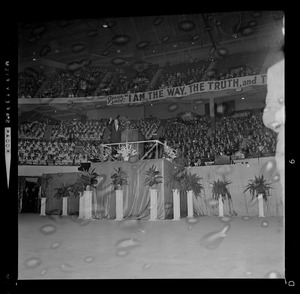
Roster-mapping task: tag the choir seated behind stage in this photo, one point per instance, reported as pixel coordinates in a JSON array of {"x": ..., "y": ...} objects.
[{"x": 74, "y": 142}]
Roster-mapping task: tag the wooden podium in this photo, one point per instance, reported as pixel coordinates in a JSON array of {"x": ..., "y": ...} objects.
[{"x": 131, "y": 136}]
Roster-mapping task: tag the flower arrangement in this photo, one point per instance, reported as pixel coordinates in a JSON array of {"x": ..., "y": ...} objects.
[
  {"x": 153, "y": 177},
  {"x": 106, "y": 153},
  {"x": 170, "y": 153},
  {"x": 126, "y": 150}
]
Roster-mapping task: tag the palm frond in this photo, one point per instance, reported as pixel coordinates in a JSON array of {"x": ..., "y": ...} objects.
[
  {"x": 220, "y": 189},
  {"x": 257, "y": 186}
]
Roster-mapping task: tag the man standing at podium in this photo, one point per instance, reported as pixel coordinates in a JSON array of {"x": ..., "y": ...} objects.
[{"x": 115, "y": 133}]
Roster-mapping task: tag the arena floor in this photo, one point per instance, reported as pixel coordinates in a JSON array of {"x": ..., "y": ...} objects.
[{"x": 55, "y": 247}]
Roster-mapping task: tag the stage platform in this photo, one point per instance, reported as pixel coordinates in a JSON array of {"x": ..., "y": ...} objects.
[
  {"x": 136, "y": 195},
  {"x": 137, "y": 198}
]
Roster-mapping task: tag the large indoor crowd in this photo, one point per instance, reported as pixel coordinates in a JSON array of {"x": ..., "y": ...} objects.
[
  {"x": 110, "y": 80},
  {"x": 73, "y": 142}
]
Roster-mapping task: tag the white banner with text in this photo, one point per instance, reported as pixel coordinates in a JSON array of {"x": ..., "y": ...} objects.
[{"x": 200, "y": 87}]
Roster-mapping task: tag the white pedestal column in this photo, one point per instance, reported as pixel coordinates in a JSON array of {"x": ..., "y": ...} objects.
[
  {"x": 176, "y": 204},
  {"x": 153, "y": 204},
  {"x": 65, "y": 206},
  {"x": 119, "y": 204},
  {"x": 221, "y": 207},
  {"x": 81, "y": 205},
  {"x": 43, "y": 206},
  {"x": 260, "y": 205},
  {"x": 87, "y": 204},
  {"x": 190, "y": 204}
]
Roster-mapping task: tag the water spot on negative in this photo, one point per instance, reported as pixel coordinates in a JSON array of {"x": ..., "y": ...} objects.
[
  {"x": 264, "y": 224},
  {"x": 67, "y": 267},
  {"x": 168, "y": 205},
  {"x": 122, "y": 252},
  {"x": 84, "y": 222},
  {"x": 192, "y": 220},
  {"x": 212, "y": 202},
  {"x": 224, "y": 169},
  {"x": 32, "y": 262},
  {"x": 146, "y": 266},
  {"x": 55, "y": 245},
  {"x": 276, "y": 178},
  {"x": 173, "y": 107},
  {"x": 245, "y": 218},
  {"x": 274, "y": 274},
  {"x": 127, "y": 244},
  {"x": 48, "y": 229},
  {"x": 225, "y": 219},
  {"x": 213, "y": 240},
  {"x": 43, "y": 272},
  {"x": 132, "y": 225},
  {"x": 89, "y": 259}
]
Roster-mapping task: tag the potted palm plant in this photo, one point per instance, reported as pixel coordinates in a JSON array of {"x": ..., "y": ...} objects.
[
  {"x": 259, "y": 188},
  {"x": 119, "y": 179},
  {"x": 192, "y": 186},
  {"x": 220, "y": 192},
  {"x": 153, "y": 178},
  {"x": 83, "y": 188},
  {"x": 63, "y": 192},
  {"x": 176, "y": 183},
  {"x": 43, "y": 183}
]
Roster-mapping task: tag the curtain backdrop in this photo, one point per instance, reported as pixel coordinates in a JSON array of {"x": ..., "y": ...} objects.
[
  {"x": 239, "y": 174},
  {"x": 137, "y": 198}
]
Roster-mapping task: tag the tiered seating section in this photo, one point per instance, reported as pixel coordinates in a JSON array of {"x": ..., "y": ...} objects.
[
  {"x": 95, "y": 81},
  {"x": 191, "y": 137},
  {"x": 74, "y": 142}
]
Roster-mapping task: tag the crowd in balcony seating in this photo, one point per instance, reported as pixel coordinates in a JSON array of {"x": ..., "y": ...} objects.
[
  {"x": 92, "y": 130},
  {"x": 243, "y": 135},
  {"x": 127, "y": 80},
  {"x": 85, "y": 82},
  {"x": 240, "y": 71},
  {"x": 228, "y": 138},
  {"x": 42, "y": 152},
  {"x": 32, "y": 130},
  {"x": 90, "y": 81},
  {"x": 79, "y": 83},
  {"x": 29, "y": 83},
  {"x": 181, "y": 75}
]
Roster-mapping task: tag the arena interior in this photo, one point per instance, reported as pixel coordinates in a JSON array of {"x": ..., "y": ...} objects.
[{"x": 190, "y": 92}]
